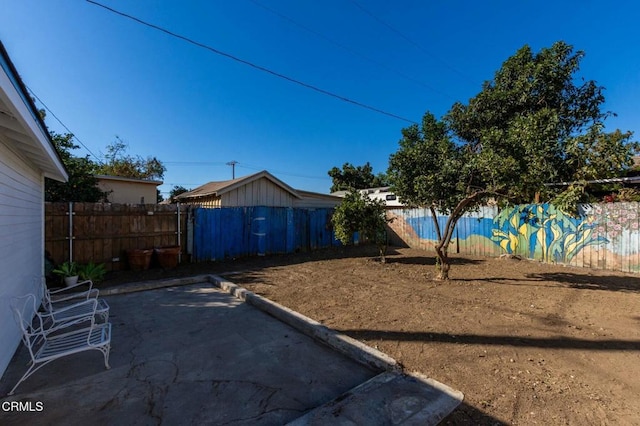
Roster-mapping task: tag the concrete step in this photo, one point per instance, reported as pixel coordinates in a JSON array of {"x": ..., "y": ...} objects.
[{"x": 390, "y": 398}]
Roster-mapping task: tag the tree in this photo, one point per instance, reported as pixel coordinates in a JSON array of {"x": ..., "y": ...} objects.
[
  {"x": 82, "y": 185},
  {"x": 534, "y": 123},
  {"x": 352, "y": 177},
  {"x": 119, "y": 163},
  {"x": 175, "y": 191},
  {"x": 359, "y": 213}
]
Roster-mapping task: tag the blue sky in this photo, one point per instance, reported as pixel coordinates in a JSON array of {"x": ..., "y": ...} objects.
[{"x": 103, "y": 75}]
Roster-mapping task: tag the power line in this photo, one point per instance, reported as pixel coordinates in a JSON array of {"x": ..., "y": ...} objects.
[
  {"x": 401, "y": 35},
  {"x": 348, "y": 49},
  {"x": 61, "y": 123},
  {"x": 196, "y": 163},
  {"x": 251, "y": 64},
  {"x": 253, "y": 167}
]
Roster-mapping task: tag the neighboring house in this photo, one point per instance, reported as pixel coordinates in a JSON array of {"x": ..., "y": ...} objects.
[
  {"x": 259, "y": 189},
  {"x": 27, "y": 156},
  {"x": 390, "y": 199},
  {"x": 311, "y": 200},
  {"x": 124, "y": 190}
]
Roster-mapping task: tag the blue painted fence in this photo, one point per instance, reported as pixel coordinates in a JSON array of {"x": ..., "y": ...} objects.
[{"x": 230, "y": 232}]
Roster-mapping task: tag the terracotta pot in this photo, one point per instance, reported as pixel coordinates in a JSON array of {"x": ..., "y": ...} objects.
[
  {"x": 168, "y": 256},
  {"x": 139, "y": 259}
]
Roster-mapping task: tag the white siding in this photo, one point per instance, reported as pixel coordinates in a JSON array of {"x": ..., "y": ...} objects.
[{"x": 21, "y": 241}]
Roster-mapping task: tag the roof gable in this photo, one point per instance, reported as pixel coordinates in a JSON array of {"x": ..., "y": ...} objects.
[{"x": 218, "y": 188}]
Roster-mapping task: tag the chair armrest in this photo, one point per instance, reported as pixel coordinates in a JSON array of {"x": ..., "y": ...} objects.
[
  {"x": 73, "y": 287},
  {"x": 68, "y": 315},
  {"x": 84, "y": 295}
]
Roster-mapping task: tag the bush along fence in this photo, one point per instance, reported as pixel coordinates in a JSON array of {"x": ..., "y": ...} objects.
[
  {"x": 231, "y": 232},
  {"x": 104, "y": 232},
  {"x": 604, "y": 236}
]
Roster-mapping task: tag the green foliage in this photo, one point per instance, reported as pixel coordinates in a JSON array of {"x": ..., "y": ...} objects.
[
  {"x": 351, "y": 178},
  {"x": 628, "y": 195},
  {"x": 534, "y": 123},
  {"x": 66, "y": 269},
  {"x": 359, "y": 213},
  {"x": 119, "y": 163},
  {"x": 175, "y": 191},
  {"x": 568, "y": 200},
  {"x": 427, "y": 169},
  {"x": 92, "y": 271},
  {"x": 82, "y": 185}
]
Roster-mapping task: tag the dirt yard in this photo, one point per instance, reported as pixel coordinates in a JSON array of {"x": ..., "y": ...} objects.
[{"x": 527, "y": 343}]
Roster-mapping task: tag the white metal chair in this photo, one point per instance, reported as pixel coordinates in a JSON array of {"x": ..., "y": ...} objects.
[
  {"x": 45, "y": 347},
  {"x": 66, "y": 304},
  {"x": 80, "y": 290}
]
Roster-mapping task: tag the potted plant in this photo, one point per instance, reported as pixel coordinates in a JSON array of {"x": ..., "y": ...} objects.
[
  {"x": 68, "y": 271},
  {"x": 92, "y": 271}
]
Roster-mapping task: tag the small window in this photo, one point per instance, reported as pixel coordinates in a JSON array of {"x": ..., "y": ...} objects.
[{"x": 391, "y": 197}]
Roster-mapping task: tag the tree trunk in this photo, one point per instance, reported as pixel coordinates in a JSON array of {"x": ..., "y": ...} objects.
[
  {"x": 442, "y": 265},
  {"x": 383, "y": 251}
]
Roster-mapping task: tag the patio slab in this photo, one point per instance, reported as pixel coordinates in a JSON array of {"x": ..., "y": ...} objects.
[{"x": 194, "y": 354}]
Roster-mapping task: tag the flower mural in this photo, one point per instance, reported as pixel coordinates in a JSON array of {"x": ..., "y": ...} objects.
[
  {"x": 544, "y": 232},
  {"x": 613, "y": 219}
]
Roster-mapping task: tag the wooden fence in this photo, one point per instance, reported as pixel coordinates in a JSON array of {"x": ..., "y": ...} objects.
[{"x": 103, "y": 232}]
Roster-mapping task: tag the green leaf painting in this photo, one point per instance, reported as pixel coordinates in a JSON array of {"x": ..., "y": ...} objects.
[{"x": 543, "y": 232}]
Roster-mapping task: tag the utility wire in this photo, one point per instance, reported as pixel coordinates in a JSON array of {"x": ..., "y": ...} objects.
[
  {"x": 348, "y": 49},
  {"x": 240, "y": 165},
  {"x": 253, "y": 167},
  {"x": 196, "y": 163},
  {"x": 61, "y": 123},
  {"x": 401, "y": 35},
  {"x": 251, "y": 64}
]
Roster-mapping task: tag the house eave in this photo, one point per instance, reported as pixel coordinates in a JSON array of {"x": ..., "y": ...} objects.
[{"x": 21, "y": 126}]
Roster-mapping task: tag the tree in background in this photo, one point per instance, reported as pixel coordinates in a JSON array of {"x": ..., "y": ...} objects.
[
  {"x": 119, "y": 163},
  {"x": 359, "y": 213},
  {"x": 534, "y": 123},
  {"x": 352, "y": 177},
  {"x": 82, "y": 185},
  {"x": 175, "y": 191}
]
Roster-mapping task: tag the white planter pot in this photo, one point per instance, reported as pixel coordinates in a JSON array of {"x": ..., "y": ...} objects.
[{"x": 69, "y": 281}]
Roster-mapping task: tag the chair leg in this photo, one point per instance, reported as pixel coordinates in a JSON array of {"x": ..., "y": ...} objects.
[
  {"x": 32, "y": 369},
  {"x": 105, "y": 351}
]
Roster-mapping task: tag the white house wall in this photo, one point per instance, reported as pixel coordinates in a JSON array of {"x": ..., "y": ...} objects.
[{"x": 21, "y": 241}]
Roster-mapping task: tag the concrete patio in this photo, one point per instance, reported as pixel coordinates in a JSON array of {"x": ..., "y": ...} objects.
[{"x": 192, "y": 353}]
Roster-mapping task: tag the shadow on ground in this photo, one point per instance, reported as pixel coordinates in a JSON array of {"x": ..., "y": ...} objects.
[
  {"x": 579, "y": 281},
  {"x": 590, "y": 282},
  {"x": 430, "y": 260},
  {"x": 242, "y": 264},
  {"x": 474, "y": 339}
]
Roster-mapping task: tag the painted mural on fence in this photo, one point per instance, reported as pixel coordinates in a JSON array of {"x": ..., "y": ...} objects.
[
  {"x": 605, "y": 235},
  {"x": 543, "y": 232}
]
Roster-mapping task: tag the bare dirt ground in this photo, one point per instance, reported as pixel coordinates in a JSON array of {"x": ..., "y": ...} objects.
[{"x": 527, "y": 343}]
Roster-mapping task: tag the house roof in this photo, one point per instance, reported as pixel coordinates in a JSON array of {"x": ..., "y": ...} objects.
[
  {"x": 317, "y": 195},
  {"x": 126, "y": 179},
  {"x": 630, "y": 179},
  {"x": 218, "y": 188},
  {"x": 21, "y": 126}
]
